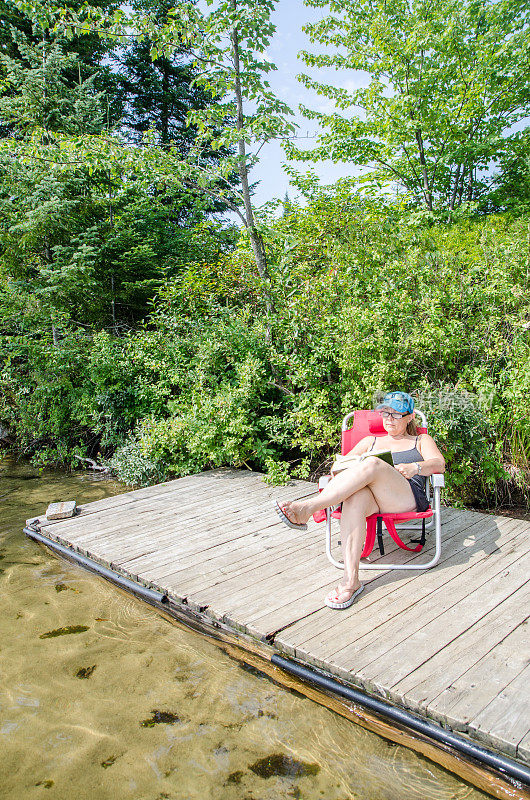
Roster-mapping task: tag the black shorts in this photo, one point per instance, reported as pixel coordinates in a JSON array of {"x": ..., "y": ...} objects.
[{"x": 422, "y": 504}]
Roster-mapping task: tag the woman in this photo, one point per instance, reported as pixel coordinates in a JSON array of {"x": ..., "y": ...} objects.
[{"x": 373, "y": 485}]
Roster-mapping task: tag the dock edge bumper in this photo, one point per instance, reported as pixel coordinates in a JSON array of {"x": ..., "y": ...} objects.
[
  {"x": 142, "y": 591},
  {"x": 495, "y": 761}
]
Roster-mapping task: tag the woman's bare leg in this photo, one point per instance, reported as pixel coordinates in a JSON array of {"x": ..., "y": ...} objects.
[
  {"x": 390, "y": 489},
  {"x": 373, "y": 485},
  {"x": 355, "y": 509}
]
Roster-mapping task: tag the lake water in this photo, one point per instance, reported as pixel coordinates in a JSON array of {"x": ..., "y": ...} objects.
[{"x": 101, "y": 698}]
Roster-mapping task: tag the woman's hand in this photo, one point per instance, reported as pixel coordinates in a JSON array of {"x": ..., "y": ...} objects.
[{"x": 407, "y": 470}]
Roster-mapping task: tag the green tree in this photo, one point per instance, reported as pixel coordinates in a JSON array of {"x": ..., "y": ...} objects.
[
  {"x": 446, "y": 83},
  {"x": 78, "y": 230},
  {"x": 157, "y": 93},
  {"x": 157, "y": 96},
  {"x": 91, "y": 56},
  {"x": 227, "y": 45},
  {"x": 12, "y": 21},
  {"x": 41, "y": 209}
]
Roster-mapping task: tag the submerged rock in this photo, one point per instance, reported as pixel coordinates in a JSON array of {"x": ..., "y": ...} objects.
[
  {"x": 235, "y": 777},
  {"x": 85, "y": 672},
  {"x": 159, "y": 717},
  {"x": 64, "y": 631},
  {"x": 284, "y": 766}
]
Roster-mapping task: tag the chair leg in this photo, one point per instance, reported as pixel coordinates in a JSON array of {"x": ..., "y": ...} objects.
[
  {"x": 368, "y": 543},
  {"x": 338, "y": 564},
  {"x": 438, "y": 543}
]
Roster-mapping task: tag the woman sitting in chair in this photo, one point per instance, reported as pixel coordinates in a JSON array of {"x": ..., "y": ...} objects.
[{"x": 373, "y": 485}]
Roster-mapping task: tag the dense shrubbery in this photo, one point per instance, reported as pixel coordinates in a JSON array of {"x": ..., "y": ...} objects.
[
  {"x": 135, "y": 329},
  {"x": 363, "y": 302}
]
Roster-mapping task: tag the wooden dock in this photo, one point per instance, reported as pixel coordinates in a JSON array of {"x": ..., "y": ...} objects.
[{"x": 450, "y": 644}]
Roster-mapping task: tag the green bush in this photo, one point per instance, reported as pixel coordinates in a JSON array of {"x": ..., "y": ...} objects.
[{"x": 365, "y": 299}]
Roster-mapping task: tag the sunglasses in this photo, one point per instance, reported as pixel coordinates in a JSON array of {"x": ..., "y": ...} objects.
[{"x": 390, "y": 415}]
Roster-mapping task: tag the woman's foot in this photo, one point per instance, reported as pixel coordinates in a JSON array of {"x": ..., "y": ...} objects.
[
  {"x": 342, "y": 597},
  {"x": 296, "y": 511}
]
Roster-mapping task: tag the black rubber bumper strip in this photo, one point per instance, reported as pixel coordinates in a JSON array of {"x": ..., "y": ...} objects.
[
  {"x": 147, "y": 594},
  {"x": 495, "y": 761}
]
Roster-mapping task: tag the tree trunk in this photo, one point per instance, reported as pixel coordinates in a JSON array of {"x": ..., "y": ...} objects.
[
  {"x": 164, "y": 111},
  {"x": 470, "y": 184},
  {"x": 455, "y": 187},
  {"x": 426, "y": 190},
  {"x": 49, "y": 260},
  {"x": 461, "y": 186},
  {"x": 112, "y": 278},
  {"x": 255, "y": 238},
  {"x": 113, "y": 302}
]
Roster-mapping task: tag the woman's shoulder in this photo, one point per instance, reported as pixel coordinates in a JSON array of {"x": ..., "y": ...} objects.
[{"x": 425, "y": 439}]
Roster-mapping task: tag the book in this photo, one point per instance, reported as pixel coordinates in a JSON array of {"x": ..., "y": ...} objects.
[{"x": 343, "y": 462}]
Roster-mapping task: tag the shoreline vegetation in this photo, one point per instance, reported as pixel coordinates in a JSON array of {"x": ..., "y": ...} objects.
[
  {"x": 142, "y": 330},
  {"x": 367, "y": 302}
]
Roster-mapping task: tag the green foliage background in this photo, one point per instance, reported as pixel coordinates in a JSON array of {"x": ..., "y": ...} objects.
[
  {"x": 138, "y": 329},
  {"x": 366, "y": 299}
]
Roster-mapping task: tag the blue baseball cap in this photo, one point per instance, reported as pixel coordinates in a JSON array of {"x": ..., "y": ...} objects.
[{"x": 399, "y": 401}]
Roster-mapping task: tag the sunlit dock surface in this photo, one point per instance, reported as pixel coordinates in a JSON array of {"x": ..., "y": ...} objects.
[{"x": 449, "y": 644}]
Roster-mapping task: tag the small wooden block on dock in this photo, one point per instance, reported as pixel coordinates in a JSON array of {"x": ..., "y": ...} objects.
[{"x": 61, "y": 510}]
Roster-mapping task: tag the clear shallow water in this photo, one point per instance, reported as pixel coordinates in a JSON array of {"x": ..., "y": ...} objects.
[{"x": 126, "y": 705}]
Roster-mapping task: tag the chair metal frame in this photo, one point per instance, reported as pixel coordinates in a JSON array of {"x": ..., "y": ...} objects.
[{"x": 435, "y": 484}]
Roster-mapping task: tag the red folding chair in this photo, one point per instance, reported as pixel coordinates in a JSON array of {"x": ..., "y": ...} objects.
[{"x": 370, "y": 423}]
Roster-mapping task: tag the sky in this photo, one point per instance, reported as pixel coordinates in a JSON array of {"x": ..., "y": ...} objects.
[{"x": 289, "y": 39}]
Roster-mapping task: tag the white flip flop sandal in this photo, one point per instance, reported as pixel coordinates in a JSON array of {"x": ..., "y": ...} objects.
[
  {"x": 286, "y": 521},
  {"x": 347, "y": 603}
]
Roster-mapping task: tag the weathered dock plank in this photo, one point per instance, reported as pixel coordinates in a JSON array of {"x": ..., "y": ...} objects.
[
  {"x": 508, "y": 714},
  {"x": 450, "y": 644},
  {"x": 523, "y": 748},
  {"x": 475, "y": 689},
  {"x": 390, "y": 597},
  {"x": 435, "y": 683}
]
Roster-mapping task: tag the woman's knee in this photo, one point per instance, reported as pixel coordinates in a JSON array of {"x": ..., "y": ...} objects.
[
  {"x": 373, "y": 467},
  {"x": 362, "y": 500}
]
